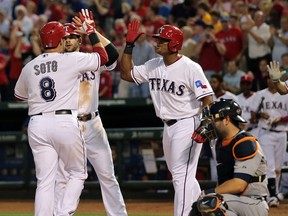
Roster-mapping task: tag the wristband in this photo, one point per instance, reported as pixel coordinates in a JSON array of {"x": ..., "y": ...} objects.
[
  {"x": 129, "y": 48},
  {"x": 94, "y": 39}
]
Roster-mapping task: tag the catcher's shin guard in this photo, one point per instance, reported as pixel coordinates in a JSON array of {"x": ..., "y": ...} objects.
[{"x": 212, "y": 205}]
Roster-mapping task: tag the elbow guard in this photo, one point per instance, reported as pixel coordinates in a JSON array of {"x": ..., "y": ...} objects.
[
  {"x": 103, "y": 55},
  {"x": 112, "y": 54}
]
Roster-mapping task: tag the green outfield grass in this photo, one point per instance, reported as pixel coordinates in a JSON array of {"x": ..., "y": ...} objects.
[{"x": 79, "y": 214}]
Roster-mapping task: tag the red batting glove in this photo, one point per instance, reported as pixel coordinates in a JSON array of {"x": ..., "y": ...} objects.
[
  {"x": 88, "y": 23},
  {"x": 133, "y": 31},
  {"x": 199, "y": 135}
]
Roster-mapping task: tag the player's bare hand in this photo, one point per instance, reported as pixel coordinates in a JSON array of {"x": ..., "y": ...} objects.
[
  {"x": 264, "y": 115},
  {"x": 274, "y": 71},
  {"x": 275, "y": 121}
]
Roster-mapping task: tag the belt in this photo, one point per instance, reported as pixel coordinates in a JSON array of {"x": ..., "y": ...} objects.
[
  {"x": 170, "y": 122},
  {"x": 262, "y": 198},
  {"x": 57, "y": 112},
  {"x": 87, "y": 117},
  {"x": 257, "y": 178},
  {"x": 272, "y": 130}
]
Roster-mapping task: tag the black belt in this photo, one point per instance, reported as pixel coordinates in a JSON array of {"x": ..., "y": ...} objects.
[
  {"x": 57, "y": 112},
  {"x": 272, "y": 130},
  {"x": 170, "y": 122},
  {"x": 87, "y": 117},
  {"x": 257, "y": 178}
]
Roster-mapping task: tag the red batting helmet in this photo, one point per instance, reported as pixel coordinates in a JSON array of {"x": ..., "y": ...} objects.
[
  {"x": 173, "y": 34},
  {"x": 70, "y": 28},
  {"x": 51, "y": 34}
]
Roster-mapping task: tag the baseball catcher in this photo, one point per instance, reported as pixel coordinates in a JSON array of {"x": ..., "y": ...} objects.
[{"x": 241, "y": 165}]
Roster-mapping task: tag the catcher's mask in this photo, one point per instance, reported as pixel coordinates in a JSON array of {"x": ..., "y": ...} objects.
[
  {"x": 219, "y": 110},
  {"x": 212, "y": 205}
]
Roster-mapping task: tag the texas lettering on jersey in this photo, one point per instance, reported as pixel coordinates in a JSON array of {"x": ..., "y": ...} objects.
[
  {"x": 169, "y": 86},
  {"x": 274, "y": 105},
  {"x": 88, "y": 76}
]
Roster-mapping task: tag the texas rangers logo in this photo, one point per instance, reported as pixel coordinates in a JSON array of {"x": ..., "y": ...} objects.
[{"x": 198, "y": 84}]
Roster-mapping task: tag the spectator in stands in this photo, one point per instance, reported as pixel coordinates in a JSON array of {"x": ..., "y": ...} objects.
[
  {"x": 188, "y": 43},
  {"x": 279, "y": 39},
  {"x": 31, "y": 7},
  {"x": 163, "y": 8},
  {"x": 233, "y": 39},
  {"x": 182, "y": 11},
  {"x": 7, "y": 7},
  {"x": 139, "y": 8},
  {"x": 203, "y": 12},
  {"x": 223, "y": 6},
  {"x": 153, "y": 21},
  {"x": 198, "y": 28},
  {"x": 232, "y": 77},
  {"x": 208, "y": 49},
  {"x": 24, "y": 22},
  {"x": 16, "y": 62},
  {"x": 103, "y": 13},
  {"x": 241, "y": 11},
  {"x": 274, "y": 15},
  {"x": 3, "y": 78},
  {"x": 4, "y": 24},
  {"x": 258, "y": 48},
  {"x": 105, "y": 85},
  {"x": 264, "y": 73},
  {"x": 217, "y": 25}
]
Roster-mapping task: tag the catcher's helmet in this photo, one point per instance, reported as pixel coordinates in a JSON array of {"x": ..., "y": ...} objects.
[
  {"x": 51, "y": 34},
  {"x": 70, "y": 28},
  {"x": 173, "y": 34},
  {"x": 226, "y": 107}
]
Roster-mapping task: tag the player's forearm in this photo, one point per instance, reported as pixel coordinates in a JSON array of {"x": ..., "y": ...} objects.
[
  {"x": 281, "y": 88},
  {"x": 232, "y": 186},
  {"x": 207, "y": 100},
  {"x": 126, "y": 67}
]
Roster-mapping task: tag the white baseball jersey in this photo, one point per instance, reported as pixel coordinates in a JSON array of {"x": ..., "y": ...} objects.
[
  {"x": 37, "y": 80},
  {"x": 227, "y": 95},
  {"x": 275, "y": 105},
  {"x": 88, "y": 94},
  {"x": 175, "y": 89},
  {"x": 245, "y": 104}
]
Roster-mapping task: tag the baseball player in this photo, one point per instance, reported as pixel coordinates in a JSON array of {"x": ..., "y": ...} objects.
[
  {"x": 217, "y": 84},
  {"x": 98, "y": 150},
  {"x": 241, "y": 164},
  {"x": 245, "y": 100},
  {"x": 279, "y": 78},
  {"x": 50, "y": 84},
  {"x": 270, "y": 108},
  {"x": 178, "y": 87}
]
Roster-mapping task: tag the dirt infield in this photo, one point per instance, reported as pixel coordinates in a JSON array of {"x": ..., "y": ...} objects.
[{"x": 144, "y": 207}]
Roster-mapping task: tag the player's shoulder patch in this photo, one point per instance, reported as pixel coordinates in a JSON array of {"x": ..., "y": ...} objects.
[{"x": 245, "y": 148}]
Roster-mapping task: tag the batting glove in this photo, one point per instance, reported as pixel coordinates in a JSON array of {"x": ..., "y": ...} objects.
[
  {"x": 274, "y": 71},
  {"x": 132, "y": 35},
  {"x": 133, "y": 31},
  {"x": 88, "y": 23},
  {"x": 199, "y": 135}
]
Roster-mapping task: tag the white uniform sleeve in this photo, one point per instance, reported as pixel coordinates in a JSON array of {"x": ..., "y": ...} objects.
[
  {"x": 256, "y": 102},
  {"x": 200, "y": 84},
  {"x": 21, "y": 90},
  {"x": 87, "y": 61}
]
